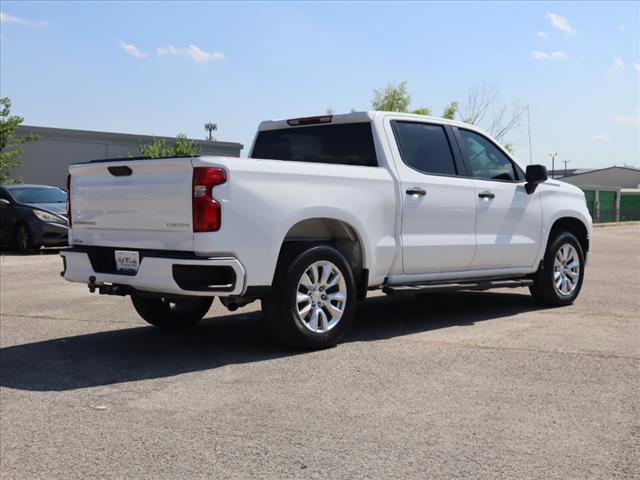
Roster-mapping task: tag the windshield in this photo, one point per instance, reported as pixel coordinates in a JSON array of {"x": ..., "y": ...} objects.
[{"x": 38, "y": 194}]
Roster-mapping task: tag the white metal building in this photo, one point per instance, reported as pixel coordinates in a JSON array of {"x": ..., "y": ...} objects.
[
  {"x": 46, "y": 160},
  {"x": 605, "y": 178}
]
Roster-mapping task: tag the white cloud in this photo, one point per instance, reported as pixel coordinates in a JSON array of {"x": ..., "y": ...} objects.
[
  {"x": 6, "y": 18},
  {"x": 557, "y": 56},
  {"x": 622, "y": 27},
  {"x": 616, "y": 66},
  {"x": 628, "y": 120},
  {"x": 636, "y": 66},
  {"x": 168, "y": 50},
  {"x": 601, "y": 137},
  {"x": 200, "y": 56},
  {"x": 542, "y": 34},
  {"x": 560, "y": 23},
  {"x": 193, "y": 52},
  {"x": 132, "y": 50},
  {"x": 538, "y": 55}
]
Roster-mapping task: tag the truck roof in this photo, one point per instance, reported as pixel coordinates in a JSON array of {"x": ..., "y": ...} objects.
[{"x": 353, "y": 117}]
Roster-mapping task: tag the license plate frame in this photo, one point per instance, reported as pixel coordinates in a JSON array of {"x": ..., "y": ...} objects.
[{"x": 127, "y": 261}]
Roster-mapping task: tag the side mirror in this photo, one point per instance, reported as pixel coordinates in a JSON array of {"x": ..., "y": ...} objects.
[
  {"x": 4, "y": 202},
  {"x": 535, "y": 175}
]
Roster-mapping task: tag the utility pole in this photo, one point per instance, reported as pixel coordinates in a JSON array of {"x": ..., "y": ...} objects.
[
  {"x": 210, "y": 127},
  {"x": 565, "y": 166},
  {"x": 529, "y": 128},
  {"x": 553, "y": 162}
]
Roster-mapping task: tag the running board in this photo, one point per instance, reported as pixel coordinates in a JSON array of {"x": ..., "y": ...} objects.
[{"x": 443, "y": 287}]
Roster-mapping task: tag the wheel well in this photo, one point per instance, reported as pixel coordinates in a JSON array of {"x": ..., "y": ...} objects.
[
  {"x": 329, "y": 231},
  {"x": 572, "y": 225},
  {"x": 20, "y": 222}
]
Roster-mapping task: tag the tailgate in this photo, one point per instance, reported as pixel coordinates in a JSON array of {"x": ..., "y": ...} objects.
[{"x": 133, "y": 203}]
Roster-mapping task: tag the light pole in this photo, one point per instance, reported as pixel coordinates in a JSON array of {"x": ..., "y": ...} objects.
[
  {"x": 553, "y": 162},
  {"x": 565, "y": 166},
  {"x": 210, "y": 127}
]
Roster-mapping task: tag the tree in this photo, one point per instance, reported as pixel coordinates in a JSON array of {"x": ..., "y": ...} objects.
[
  {"x": 182, "y": 147},
  {"x": 395, "y": 99},
  {"x": 450, "y": 111},
  {"x": 485, "y": 108},
  {"x": 9, "y": 155}
]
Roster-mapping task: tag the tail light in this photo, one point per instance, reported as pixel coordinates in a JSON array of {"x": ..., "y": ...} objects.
[
  {"x": 69, "y": 199},
  {"x": 207, "y": 215}
]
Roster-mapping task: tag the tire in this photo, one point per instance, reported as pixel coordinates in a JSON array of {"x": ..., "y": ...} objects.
[
  {"x": 303, "y": 311},
  {"x": 171, "y": 313},
  {"x": 23, "y": 239},
  {"x": 555, "y": 283}
]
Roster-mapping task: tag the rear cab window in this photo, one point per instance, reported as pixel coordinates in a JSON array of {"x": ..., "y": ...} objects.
[{"x": 342, "y": 144}]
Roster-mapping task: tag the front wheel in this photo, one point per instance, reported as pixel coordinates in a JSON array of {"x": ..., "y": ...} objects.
[
  {"x": 313, "y": 298},
  {"x": 23, "y": 239},
  {"x": 559, "y": 280},
  {"x": 170, "y": 312}
]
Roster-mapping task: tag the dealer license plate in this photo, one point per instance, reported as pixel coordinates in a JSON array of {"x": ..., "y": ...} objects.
[{"x": 127, "y": 261}]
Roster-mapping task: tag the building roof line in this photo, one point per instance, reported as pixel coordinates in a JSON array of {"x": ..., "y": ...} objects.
[
  {"x": 114, "y": 136},
  {"x": 602, "y": 169}
]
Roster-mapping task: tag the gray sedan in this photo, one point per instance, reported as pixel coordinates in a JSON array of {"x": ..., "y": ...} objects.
[{"x": 32, "y": 216}]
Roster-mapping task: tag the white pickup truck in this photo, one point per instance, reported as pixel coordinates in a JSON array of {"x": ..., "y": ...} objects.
[{"x": 324, "y": 209}]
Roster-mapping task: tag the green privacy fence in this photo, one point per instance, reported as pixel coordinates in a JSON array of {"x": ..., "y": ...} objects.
[
  {"x": 629, "y": 207},
  {"x": 613, "y": 206}
]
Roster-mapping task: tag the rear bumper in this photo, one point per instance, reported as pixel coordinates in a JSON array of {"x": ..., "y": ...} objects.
[{"x": 197, "y": 276}]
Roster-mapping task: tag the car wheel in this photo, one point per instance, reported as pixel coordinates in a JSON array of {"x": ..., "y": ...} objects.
[
  {"x": 559, "y": 280},
  {"x": 170, "y": 312},
  {"x": 313, "y": 298},
  {"x": 23, "y": 239}
]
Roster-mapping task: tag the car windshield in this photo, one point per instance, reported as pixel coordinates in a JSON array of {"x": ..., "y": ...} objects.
[{"x": 38, "y": 194}]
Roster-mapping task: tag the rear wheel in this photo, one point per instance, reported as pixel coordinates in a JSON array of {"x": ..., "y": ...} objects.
[
  {"x": 171, "y": 312},
  {"x": 313, "y": 298},
  {"x": 559, "y": 280}
]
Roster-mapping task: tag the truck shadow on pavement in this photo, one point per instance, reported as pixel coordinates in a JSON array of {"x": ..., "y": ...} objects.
[{"x": 133, "y": 354}]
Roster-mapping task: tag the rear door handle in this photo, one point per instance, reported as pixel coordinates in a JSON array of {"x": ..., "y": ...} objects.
[
  {"x": 488, "y": 195},
  {"x": 416, "y": 191}
]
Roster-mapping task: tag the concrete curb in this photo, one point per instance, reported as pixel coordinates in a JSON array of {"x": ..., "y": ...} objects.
[{"x": 616, "y": 224}]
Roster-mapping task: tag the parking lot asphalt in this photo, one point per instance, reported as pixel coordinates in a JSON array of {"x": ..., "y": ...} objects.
[{"x": 466, "y": 385}]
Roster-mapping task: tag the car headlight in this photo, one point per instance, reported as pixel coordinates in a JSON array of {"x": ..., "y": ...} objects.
[{"x": 48, "y": 217}]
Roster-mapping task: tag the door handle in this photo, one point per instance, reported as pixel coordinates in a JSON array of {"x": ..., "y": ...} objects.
[
  {"x": 488, "y": 195},
  {"x": 416, "y": 191}
]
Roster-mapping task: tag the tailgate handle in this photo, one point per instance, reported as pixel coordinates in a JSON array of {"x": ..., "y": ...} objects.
[{"x": 121, "y": 171}]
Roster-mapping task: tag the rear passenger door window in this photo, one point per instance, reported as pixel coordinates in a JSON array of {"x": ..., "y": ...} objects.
[
  {"x": 425, "y": 147},
  {"x": 485, "y": 160}
]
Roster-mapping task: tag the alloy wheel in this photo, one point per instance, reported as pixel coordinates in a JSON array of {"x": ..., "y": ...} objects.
[
  {"x": 566, "y": 270},
  {"x": 321, "y": 296}
]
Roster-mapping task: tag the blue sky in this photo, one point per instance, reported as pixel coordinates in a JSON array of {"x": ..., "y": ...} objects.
[{"x": 162, "y": 68}]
